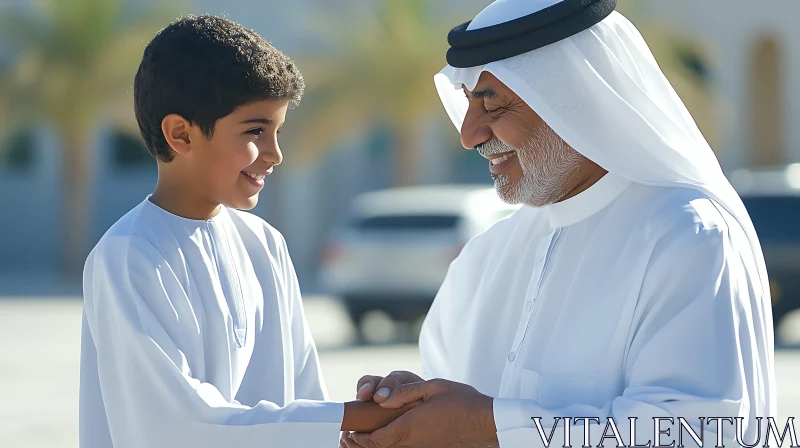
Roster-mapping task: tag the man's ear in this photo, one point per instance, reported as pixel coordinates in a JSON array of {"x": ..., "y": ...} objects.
[{"x": 176, "y": 132}]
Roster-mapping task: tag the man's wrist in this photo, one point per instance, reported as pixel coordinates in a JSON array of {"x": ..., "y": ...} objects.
[{"x": 484, "y": 422}]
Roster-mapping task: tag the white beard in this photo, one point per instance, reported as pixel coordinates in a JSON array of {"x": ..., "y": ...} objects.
[{"x": 547, "y": 163}]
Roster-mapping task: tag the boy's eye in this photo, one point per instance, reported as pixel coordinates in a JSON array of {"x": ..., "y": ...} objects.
[{"x": 256, "y": 131}]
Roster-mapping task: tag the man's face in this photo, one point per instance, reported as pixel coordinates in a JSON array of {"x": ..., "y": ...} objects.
[
  {"x": 529, "y": 162},
  {"x": 242, "y": 151}
]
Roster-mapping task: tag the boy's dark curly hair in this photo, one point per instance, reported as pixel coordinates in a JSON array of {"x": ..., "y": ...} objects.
[{"x": 202, "y": 68}]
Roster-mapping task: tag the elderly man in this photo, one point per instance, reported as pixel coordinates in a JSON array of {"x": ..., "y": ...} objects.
[{"x": 631, "y": 284}]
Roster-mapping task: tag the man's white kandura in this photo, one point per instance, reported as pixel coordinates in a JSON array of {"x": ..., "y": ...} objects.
[{"x": 645, "y": 295}]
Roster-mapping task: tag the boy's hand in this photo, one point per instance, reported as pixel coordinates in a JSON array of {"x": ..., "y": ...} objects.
[
  {"x": 367, "y": 416},
  {"x": 378, "y": 388}
]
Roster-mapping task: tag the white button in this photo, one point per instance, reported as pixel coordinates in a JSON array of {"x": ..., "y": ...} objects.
[
  {"x": 528, "y": 306},
  {"x": 512, "y": 356}
]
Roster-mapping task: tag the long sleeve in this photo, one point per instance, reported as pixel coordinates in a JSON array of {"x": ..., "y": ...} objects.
[
  {"x": 432, "y": 341},
  {"x": 309, "y": 380},
  {"x": 432, "y": 345},
  {"x": 140, "y": 319},
  {"x": 696, "y": 349}
]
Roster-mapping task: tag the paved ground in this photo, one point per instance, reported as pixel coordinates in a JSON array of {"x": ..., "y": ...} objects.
[{"x": 39, "y": 349}]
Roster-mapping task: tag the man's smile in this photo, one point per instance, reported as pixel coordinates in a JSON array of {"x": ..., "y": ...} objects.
[{"x": 499, "y": 163}]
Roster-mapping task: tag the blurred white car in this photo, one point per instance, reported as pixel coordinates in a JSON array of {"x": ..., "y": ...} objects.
[{"x": 394, "y": 248}]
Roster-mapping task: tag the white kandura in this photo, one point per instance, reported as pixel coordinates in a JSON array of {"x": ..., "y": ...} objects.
[
  {"x": 626, "y": 300},
  {"x": 644, "y": 296},
  {"x": 194, "y": 335}
]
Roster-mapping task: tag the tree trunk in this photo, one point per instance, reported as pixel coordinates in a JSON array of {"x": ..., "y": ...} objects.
[
  {"x": 407, "y": 155},
  {"x": 76, "y": 201}
]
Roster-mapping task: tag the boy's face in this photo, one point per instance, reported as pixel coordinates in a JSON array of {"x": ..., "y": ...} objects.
[{"x": 231, "y": 166}]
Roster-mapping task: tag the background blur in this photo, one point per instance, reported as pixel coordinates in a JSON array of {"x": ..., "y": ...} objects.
[{"x": 375, "y": 196}]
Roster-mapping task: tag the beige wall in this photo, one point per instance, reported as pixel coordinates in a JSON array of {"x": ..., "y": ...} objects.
[{"x": 759, "y": 122}]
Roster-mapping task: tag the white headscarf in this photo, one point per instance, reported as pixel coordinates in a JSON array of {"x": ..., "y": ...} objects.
[{"x": 602, "y": 91}]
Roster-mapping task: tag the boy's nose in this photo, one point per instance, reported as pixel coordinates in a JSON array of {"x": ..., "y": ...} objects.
[{"x": 272, "y": 155}]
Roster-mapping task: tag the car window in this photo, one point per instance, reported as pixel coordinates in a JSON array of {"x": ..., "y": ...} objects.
[
  {"x": 776, "y": 219},
  {"x": 407, "y": 222}
]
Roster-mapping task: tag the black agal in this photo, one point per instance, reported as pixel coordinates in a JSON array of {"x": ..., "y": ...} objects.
[{"x": 521, "y": 35}]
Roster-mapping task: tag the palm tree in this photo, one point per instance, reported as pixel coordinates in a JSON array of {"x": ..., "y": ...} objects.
[
  {"x": 377, "y": 72},
  {"x": 76, "y": 61}
]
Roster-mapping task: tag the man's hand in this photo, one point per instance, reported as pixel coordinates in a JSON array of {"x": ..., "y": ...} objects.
[
  {"x": 368, "y": 388},
  {"x": 451, "y": 415},
  {"x": 378, "y": 388}
]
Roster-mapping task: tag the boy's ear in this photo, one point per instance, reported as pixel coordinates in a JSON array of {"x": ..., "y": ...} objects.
[{"x": 176, "y": 132}]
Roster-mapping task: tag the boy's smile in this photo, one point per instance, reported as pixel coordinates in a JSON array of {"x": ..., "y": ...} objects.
[{"x": 257, "y": 179}]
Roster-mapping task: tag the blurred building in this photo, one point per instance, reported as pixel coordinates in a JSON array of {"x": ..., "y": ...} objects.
[
  {"x": 753, "y": 51},
  {"x": 303, "y": 202}
]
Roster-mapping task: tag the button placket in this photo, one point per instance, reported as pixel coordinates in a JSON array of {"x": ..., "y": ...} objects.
[
  {"x": 541, "y": 266},
  {"x": 525, "y": 319},
  {"x": 230, "y": 283}
]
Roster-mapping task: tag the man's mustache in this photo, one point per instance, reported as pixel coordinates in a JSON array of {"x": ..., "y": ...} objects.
[{"x": 492, "y": 147}]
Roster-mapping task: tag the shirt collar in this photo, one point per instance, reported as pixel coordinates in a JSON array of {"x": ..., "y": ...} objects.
[
  {"x": 588, "y": 202},
  {"x": 173, "y": 217}
]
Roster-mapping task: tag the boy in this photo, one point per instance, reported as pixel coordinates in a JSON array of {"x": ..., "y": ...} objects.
[{"x": 193, "y": 326}]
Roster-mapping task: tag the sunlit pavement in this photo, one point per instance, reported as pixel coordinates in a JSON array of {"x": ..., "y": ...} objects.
[{"x": 40, "y": 347}]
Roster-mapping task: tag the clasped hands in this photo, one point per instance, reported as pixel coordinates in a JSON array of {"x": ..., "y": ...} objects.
[{"x": 436, "y": 413}]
